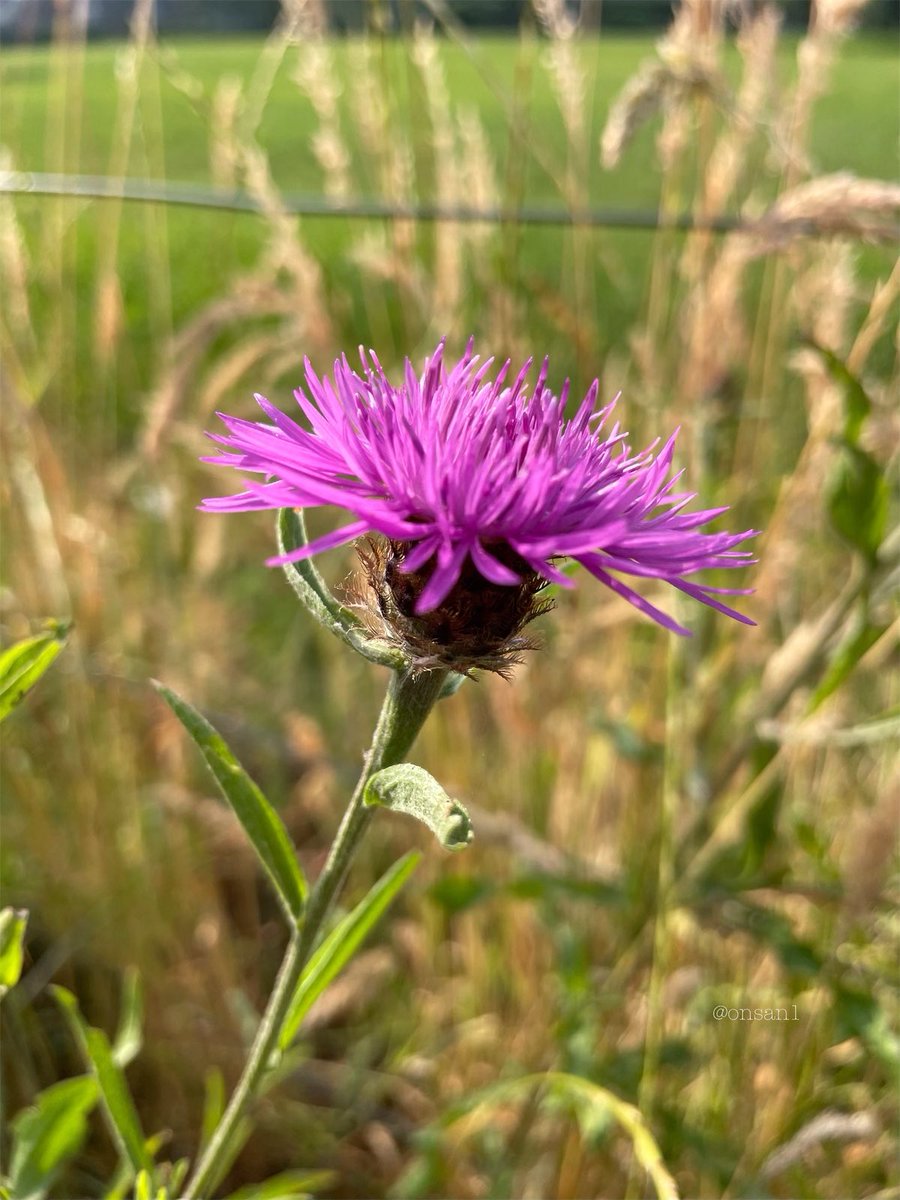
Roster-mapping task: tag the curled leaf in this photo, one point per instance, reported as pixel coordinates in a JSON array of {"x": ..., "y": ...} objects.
[{"x": 409, "y": 789}]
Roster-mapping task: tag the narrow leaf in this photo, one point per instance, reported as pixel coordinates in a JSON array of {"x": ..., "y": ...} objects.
[
  {"x": 313, "y": 593},
  {"x": 261, "y": 822},
  {"x": 177, "y": 1172},
  {"x": 857, "y": 404},
  {"x": 49, "y": 1134},
  {"x": 213, "y": 1105},
  {"x": 857, "y": 496},
  {"x": 22, "y": 665},
  {"x": 409, "y": 789},
  {"x": 341, "y": 944},
  {"x": 12, "y": 942},
  {"x": 857, "y": 644},
  {"x": 121, "y": 1114},
  {"x": 287, "y": 1184},
  {"x": 129, "y": 1036}
]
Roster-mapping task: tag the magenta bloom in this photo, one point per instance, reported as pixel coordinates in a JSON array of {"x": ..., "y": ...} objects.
[{"x": 466, "y": 470}]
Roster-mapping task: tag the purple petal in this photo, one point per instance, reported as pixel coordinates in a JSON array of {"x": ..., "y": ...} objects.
[{"x": 347, "y": 533}]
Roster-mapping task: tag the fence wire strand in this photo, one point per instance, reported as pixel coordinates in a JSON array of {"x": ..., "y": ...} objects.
[{"x": 192, "y": 195}]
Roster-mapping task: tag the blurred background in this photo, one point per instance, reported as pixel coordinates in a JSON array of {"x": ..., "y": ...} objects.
[{"x": 698, "y": 203}]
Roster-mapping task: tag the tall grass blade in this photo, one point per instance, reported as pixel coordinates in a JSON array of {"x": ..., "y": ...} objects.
[{"x": 121, "y": 1114}]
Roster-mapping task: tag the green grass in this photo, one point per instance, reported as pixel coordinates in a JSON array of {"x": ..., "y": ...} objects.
[{"x": 854, "y": 130}]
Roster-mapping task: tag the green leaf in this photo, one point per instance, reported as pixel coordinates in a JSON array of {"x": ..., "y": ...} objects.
[
  {"x": 22, "y": 665},
  {"x": 408, "y": 789},
  {"x": 537, "y": 885},
  {"x": 456, "y": 893},
  {"x": 261, "y": 822},
  {"x": 285, "y": 1186},
  {"x": 336, "y": 950},
  {"x": 858, "y": 643},
  {"x": 12, "y": 943},
  {"x": 177, "y": 1172},
  {"x": 312, "y": 591},
  {"x": 857, "y": 498},
  {"x": 859, "y": 1014},
  {"x": 857, "y": 491},
  {"x": 213, "y": 1105},
  {"x": 121, "y": 1115},
  {"x": 129, "y": 1036},
  {"x": 857, "y": 404},
  {"x": 49, "y": 1134}
]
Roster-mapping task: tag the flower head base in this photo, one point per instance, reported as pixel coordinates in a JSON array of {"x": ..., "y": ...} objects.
[
  {"x": 478, "y": 624},
  {"x": 480, "y": 486}
]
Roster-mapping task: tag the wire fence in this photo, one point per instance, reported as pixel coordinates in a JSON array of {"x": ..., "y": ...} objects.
[{"x": 191, "y": 195}]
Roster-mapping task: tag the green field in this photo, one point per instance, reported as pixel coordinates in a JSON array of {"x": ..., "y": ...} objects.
[{"x": 63, "y": 117}]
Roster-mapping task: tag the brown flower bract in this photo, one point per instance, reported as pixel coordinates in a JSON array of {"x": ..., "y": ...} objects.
[{"x": 478, "y": 625}]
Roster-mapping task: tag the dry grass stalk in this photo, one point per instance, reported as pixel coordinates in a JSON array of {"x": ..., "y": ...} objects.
[
  {"x": 14, "y": 268},
  {"x": 108, "y": 305},
  {"x": 251, "y": 298},
  {"x": 570, "y": 86},
  {"x": 478, "y": 176},
  {"x": 224, "y": 116},
  {"x": 714, "y": 325},
  {"x": 447, "y": 278},
  {"x": 389, "y": 254},
  {"x": 828, "y": 1126},
  {"x": 685, "y": 68},
  {"x": 840, "y": 204},
  {"x": 824, "y": 293},
  {"x": 883, "y": 301},
  {"x": 316, "y": 74},
  {"x": 642, "y": 97},
  {"x": 830, "y": 205},
  {"x": 758, "y": 42},
  {"x": 830, "y": 22}
]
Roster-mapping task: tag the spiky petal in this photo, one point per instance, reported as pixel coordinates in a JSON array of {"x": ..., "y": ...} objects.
[{"x": 469, "y": 469}]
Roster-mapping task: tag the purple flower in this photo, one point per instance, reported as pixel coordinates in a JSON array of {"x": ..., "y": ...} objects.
[{"x": 474, "y": 476}]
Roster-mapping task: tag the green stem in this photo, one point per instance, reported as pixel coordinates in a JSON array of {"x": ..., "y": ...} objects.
[{"x": 408, "y": 702}]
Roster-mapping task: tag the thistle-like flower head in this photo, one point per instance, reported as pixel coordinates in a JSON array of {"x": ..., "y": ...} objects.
[{"x": 481, "y": 487}]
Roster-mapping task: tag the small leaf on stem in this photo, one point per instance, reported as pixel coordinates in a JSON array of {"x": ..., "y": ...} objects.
[{"x": 409, "y": 789}]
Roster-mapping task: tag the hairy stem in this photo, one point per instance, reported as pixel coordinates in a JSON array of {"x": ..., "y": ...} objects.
[{"x": 408, "y": 702}]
